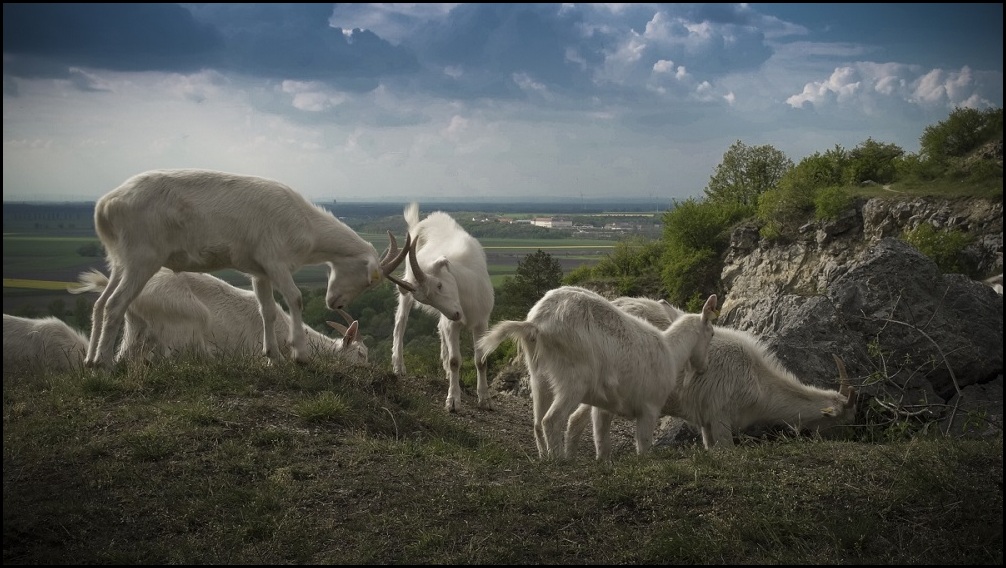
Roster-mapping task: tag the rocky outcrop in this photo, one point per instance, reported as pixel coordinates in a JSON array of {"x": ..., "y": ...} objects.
[
  {"x": 918, "y": 341},
  {"x": 919, "y": 344}
]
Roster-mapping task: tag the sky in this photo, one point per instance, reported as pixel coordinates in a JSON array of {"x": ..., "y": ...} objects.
[{"x": 427, "y": 102}]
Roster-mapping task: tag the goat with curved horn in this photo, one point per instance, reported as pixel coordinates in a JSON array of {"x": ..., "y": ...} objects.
[
  {"x": 743, "y": 386},
  {"x": 447, "y": 275},
  {"x": 192, "y": 220}
]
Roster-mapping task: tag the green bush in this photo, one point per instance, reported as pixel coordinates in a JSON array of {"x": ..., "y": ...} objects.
[
  {"x": 872, "y": 161},
  {"x": 785, "y": 205},
  {"x": 947, "y": 248},
  {"x": 696, "y": 234},
  {"x": 965, "y": 130},
  {"x": 579, "y": 275},
  {"x": 912, "y": 167},
  {"x": 691, "y": 272},
  {"x": 830, "y": 202},
  {"x": 633, "y": 268}
]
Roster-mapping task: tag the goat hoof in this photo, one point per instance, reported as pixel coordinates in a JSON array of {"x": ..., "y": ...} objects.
[
  {"x": 486, "y": 404},
  {"x": 451, "y": 405}
]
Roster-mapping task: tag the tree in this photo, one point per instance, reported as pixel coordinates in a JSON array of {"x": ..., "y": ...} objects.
[
  {"x": 696, "y": 233},
  {"x": 536, "y": 274},
  {"x": 874, "y": 161},
  {"x": 963, "y": 131},
  {"x": 746, "y": 172}
]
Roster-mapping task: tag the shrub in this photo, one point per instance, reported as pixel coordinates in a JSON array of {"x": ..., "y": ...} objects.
[
  {"x": 947, "y": 248},
  {"x": 830, "y": 202},
  {"x": 696, "y": 233}
]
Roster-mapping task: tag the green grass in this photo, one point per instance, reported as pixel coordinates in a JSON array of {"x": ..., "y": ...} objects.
[
  {"x": 236, "y": 462},
  {"x": 41, "y": 252}
]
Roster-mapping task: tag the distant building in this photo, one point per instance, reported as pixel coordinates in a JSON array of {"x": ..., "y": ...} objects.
[
  {"x": 621, "y": 226},
  {"x": 552, "y": 222}
]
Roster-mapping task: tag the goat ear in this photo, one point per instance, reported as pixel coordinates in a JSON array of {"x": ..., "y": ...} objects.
[
  {"x": 853, "y": 398},
  {"x": 337, "y": 327},
  {"x": 709, "y": 309},
  {"x": 443, "y": 262},
  {"x": 351, "y": 333}
]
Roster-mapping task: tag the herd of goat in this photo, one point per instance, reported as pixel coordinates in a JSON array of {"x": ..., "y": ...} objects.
[{"x": 163, "y": 232}]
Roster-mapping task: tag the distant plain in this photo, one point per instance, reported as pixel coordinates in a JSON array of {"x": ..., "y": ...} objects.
[{"x": 43, "y": 244}]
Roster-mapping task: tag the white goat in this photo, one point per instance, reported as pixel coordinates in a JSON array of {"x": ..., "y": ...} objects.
[
  {"x": 203, "y": 221},
  {"x": 744, "y": 385},
  {"x": 580, "y": 348},
  {"x": 996, "y": 282},
  {"x": 46, "y": 343},
  {"x": 200, "y": 313},
  {"x": 658, "y": 312},
  {"x": 447, "y": 274}
]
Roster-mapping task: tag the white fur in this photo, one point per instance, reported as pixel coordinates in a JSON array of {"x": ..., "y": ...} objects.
[
  {"x": 446, "y": 274},
  {"x": 744, "y": 385},
  {"x": 996, "y": 282},
  {"x": 203, "y": 221},
  {"x": 46, "y": 343},
  {"x": 580, "y": 348},
  {"x": 658, "y": 312},
  {"x": 178, "y": 312}
]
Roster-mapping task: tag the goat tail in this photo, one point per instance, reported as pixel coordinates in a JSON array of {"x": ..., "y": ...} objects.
[
  {"x": 412, "y": 214},
  {"x": 523, "y": 331},
  {"x": 90, "y": 281}
]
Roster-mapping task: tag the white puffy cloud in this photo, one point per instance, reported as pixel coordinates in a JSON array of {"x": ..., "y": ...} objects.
[{"x": 865, "y": 83}]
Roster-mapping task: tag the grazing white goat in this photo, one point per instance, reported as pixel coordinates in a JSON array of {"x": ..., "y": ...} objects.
[
  {"x": 447, "y": 274},
  {"x": 743, "y": 385},
  {"x": 996, "y": 282},
  {"x": 658, "y": 312},
  {"x": 203, "y": 221},
  {"x": 580, "y": 348},
  {"x": 46, "y": 343},
  {"x": 200, "y": 313}
]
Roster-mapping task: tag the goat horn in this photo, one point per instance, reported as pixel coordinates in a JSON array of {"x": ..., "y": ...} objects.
[
  {"x": 391, "y": 251},
  {"x": 393, "y": 256},
  {"x": 337, "y": 327},
  {"x": 843, "y": 378},
  {"x": 388, "y": 267},
  {"x": 345, "y": 315},
  {"x": 417, "y": 272}
]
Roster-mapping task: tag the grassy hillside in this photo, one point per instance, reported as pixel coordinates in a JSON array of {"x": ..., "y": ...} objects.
[{"x": 239, "y": 462}]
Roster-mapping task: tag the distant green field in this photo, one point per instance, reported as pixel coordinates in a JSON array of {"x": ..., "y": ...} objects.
[
  {"x": 48, "y": 263},
  {"x": 35, "y": 253}
]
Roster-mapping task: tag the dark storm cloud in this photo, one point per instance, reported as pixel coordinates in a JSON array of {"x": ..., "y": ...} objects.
[
  {"x": 285, "y": 41},
  {"x": 295, "y": 41},
  {"x": 498, "y": 40},
  {"x": 44, "y": 39},
  {"x": 474, "y": 50}
]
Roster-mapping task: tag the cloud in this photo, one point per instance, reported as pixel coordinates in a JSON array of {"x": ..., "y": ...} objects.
[
  {"x": 469, "y": 99},
  {"x": 863, "y": 84},
  {"x": 288, "y": 41},
  {"x": 312, "y": 96},
  {"x": 122, "y": 37}
]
